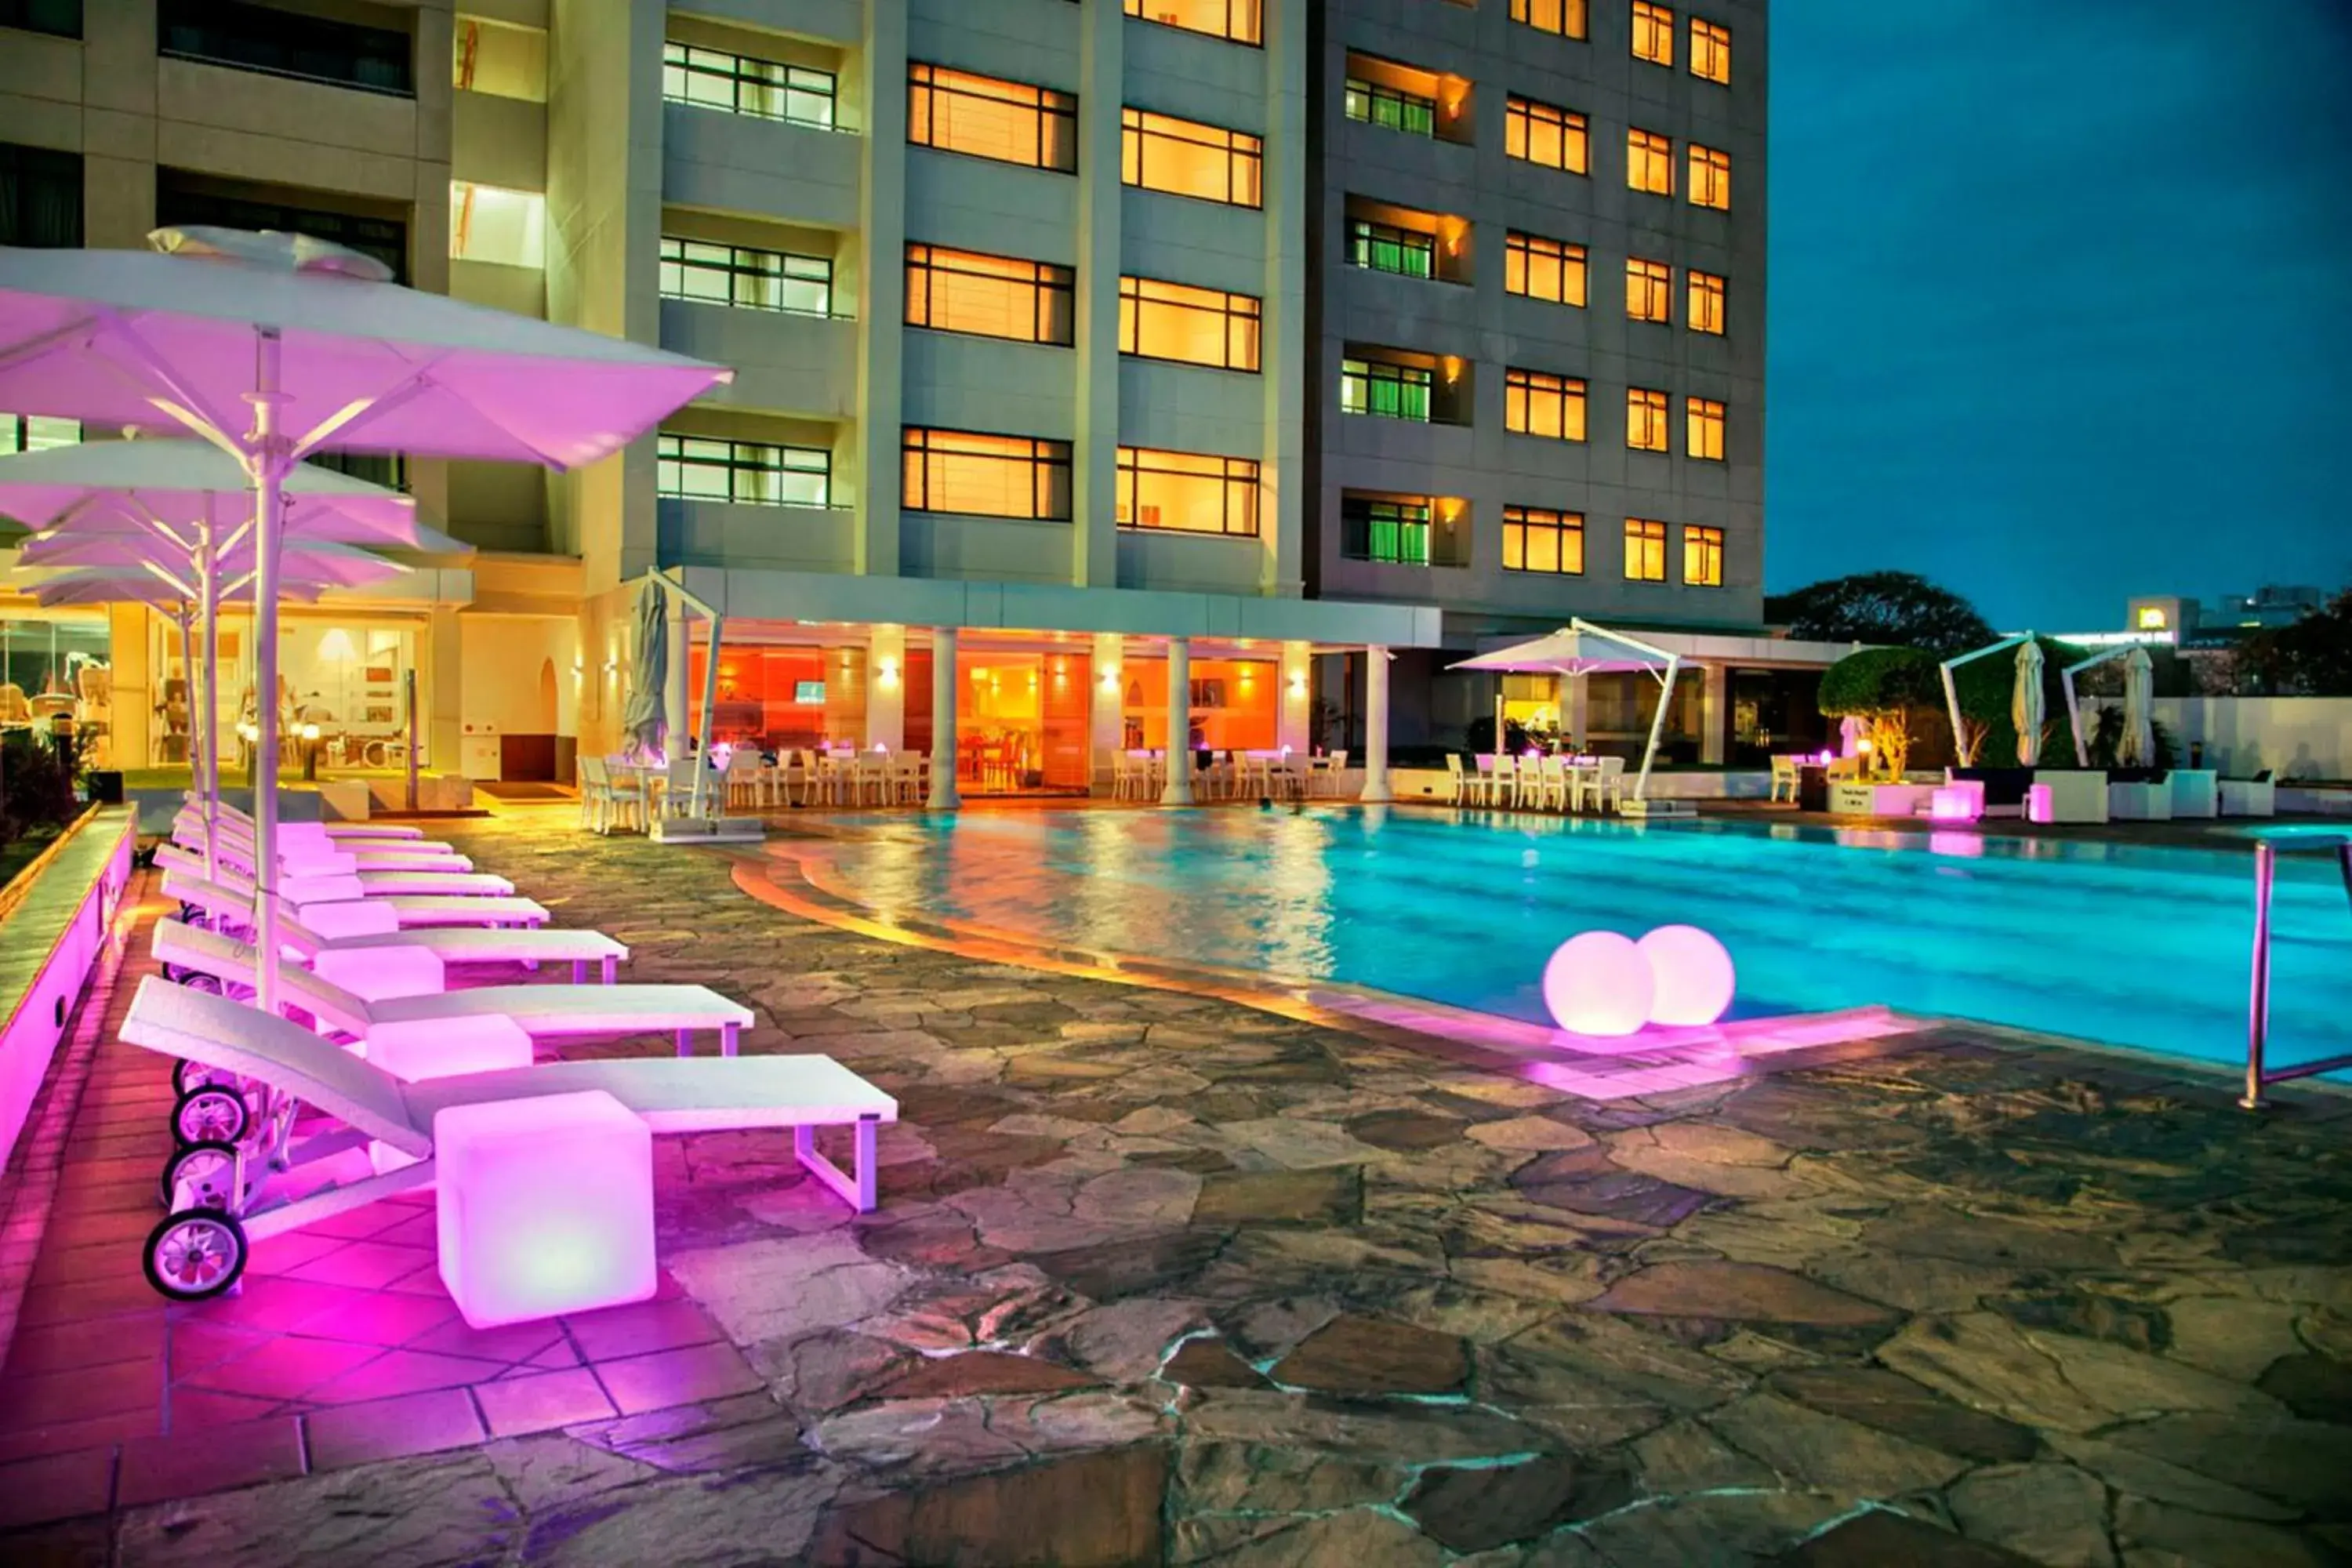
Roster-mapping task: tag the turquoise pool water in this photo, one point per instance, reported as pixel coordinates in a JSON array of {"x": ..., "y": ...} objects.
[{"x": 2127, "y": 944}]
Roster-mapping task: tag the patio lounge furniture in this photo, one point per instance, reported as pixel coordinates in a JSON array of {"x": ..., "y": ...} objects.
[
  {"x": 339, "y": 831},
  {"x": 229, "y": 896},
  {"x": 1603, "y": 787},
  {"x": 303, "y": 843},
  {"x": 543, "y": 1011},
  {"x": 2004, "y": 788},
  {"x": 1784, "y": 777},
  {"x": 2195, "y": 793},
  {"x": 218, "y": 1204},
  {"x": 2148, "y": 799},
  {"x": 2074, "y": 794},
  {"x": 297, "y": 881},
  {"x": 2256, "y": 796}
]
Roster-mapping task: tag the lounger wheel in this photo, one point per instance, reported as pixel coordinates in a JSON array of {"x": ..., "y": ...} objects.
[
  {"x": 201, "y": 1176},
  {"x": 210, "y": 1113},
  {"x": 194, "y": 1255},
  {"x": 187, "y": 1075}
]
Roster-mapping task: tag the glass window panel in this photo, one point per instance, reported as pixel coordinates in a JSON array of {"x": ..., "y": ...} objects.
[
  {"x": 1654, "y": 33},
  {"x": 985, "y": 117},
  {"x": 748, "y": 473},
  {"x": 1565, "y": 18},
  {"x": 1703, "y": 310},
  {"x": 1243, "y": 21},
  {"x": 1185, "y": 158}
]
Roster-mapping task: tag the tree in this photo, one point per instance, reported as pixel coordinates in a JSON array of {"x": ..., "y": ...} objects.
[
  {"x": 1883, "y": 688},
  {"x": 1885, "y": 609},
  {"x": 2313, "y": 658}
]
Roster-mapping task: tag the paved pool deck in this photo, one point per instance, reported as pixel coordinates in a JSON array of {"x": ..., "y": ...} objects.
[{"x": 1159, "y": 1277}]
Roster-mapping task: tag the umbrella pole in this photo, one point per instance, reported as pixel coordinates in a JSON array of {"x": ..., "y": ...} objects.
[
  {"x": 209, "y": 782},
  {"x": 269, "y": 461}
]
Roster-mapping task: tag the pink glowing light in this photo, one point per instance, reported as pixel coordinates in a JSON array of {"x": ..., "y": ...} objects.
[
  {"x": 546, "y": 1207},
  {"x": 1692, "y": 975},
  {"x": 1954, "y": 803},
  {"x": 1599, "y": 982},
  {"x": 1966, "y": 845}
]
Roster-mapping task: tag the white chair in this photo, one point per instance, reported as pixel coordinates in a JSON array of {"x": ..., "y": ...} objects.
[
  {"x": 1482, "y": 783},
  {"x": 1457, "y": 784},
  {"x": 1555, "y": 784},
  {"x": 1604, "y": 788},
  {"x": 1784, "y": 777}
]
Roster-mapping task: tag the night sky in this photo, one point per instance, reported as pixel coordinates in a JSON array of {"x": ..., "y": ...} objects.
[{"x": 2060, "y": 299}]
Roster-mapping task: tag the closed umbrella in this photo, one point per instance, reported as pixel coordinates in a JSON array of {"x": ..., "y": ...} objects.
[
  {"x": 2025, "y": 704},
  {"x": 272, "y": 346},
  {"x": 2137, "y": 747},
  {"x": 641, "y": 718}
]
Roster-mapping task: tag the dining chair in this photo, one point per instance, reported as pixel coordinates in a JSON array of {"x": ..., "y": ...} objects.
[{"x": 1456, "y": 786}]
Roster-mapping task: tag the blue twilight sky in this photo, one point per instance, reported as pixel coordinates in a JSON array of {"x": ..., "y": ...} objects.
[{"x": 2060, "y": 298}]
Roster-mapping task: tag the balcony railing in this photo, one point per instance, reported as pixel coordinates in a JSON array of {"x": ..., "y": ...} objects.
[{"x": 286, "y": 44}]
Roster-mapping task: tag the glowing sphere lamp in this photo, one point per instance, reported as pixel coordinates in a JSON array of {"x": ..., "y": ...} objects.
[
  {"x": 1692, "y": 974},
  {"x": 1599, "y": 982}
]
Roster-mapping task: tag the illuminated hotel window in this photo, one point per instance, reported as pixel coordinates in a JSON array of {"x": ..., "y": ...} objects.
[
  {"x": 1654, "y": 33},
  {"x": 1710, "y": 178},
  {"x": 1703, "y": 557},
  {"x": 1703, "y": 310},
  {"x": 1389, "y": 108},
  {"x": 1383, "y": 248},
  {"x": 1646, "y": 420},
  {"x": 1239, "y": 20},
  {"x": 1537, "y": 404},
  {"x": 1649, "y": 163},
  {"x": 1710, "y": 51},
  {"x": 1195, "y": 326},
  {"x": 1187, "y": 492},
  {"x": 1703, "y": 429},
  {"x": 747, "y": 473},
  {"x": 1384, "y": 391},
  {"x": 508, "y": 228},
  {"x": 1565, "y": 18},
  {"x": 986, "y": 475},
  {"x": 1646, "y": 550},
  {"x": 1543, "y": 268},
  {"x": 1008, "y": 122},
  {"x": 37, "y": 433},
  {"x": 737, "y": 84},
  {"x": 1545, "y": 133},
  {"x": 1649, "y": 290},
  {"x": 1185, "y": 158},
  {"x": 1393, "y": 531},
  {"x": 988, "y": 295},
  {"x": 748, "y": 279},
  {"x": 1535, "y": 539}
]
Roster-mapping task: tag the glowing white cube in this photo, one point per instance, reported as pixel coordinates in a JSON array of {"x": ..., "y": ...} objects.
[
  {"x": 546, "y": 1207},
  {"x": 375, "y": 974}
]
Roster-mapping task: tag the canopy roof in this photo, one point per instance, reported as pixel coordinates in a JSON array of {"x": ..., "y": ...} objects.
[
  {"x": 123, "y": 586},
  {"x": 1574, "y": 649},
  {"x": 180, "y": 480}
]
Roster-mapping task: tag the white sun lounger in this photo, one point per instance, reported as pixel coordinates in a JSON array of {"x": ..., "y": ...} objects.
[
  {"x": 303, "y": 886},
  {"x": 363, "y": 854},
  {"x": 357, "y": 830},
  {"x": 230, "y": 896},
  {"x": 298, "y": 1068},
  {"x": 542, "y": 1012}
]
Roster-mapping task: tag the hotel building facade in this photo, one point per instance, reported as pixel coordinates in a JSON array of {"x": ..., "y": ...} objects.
[{"x": 1107, "y": 372}]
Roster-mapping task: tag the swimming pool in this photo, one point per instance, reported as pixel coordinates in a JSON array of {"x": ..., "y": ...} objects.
[{"x": 2124, "y": 943}]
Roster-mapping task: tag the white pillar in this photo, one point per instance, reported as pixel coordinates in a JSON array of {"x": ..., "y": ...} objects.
[
  {"x": 885, "y": 688},
  {"x": 1107, "y": 717},
  {"x": 1178, "y": 788},
  {"x": 1575, "y": 707},
  {"x": 944, "y": 687},
  {"x": 674, "y": 678},
  {"x": 1292, "y": 726},
  {"x": 1376, "y": 724},
  {"x": 1714, "y": 713}
]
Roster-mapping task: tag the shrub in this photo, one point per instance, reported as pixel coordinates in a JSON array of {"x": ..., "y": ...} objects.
[
  {"x": 1885, "y": 687},
  {"x": 36, "y": 783}
]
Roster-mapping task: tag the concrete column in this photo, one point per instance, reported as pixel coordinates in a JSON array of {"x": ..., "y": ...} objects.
[
  {"x": 1714, "y": 713},
  {"x": 881, "y": 292},
  {"x": 1292, "y": 725},
  {"x": 1376, "y": 724},
  {"x": 441, "y": 693},
  {"x": 1284, "y": 504},
  {"x": 129, "y": 642},
  {"x": 1178, "y": 791},
  {"x": 1105, "y": 719},
  {"x": 1094, "y": 472},
  {"x": 674, "y": 688},
  {"x": 944, "y": 688},
  {"x": 885, "y": 688},
  {"x": 1575, "y": 707}
]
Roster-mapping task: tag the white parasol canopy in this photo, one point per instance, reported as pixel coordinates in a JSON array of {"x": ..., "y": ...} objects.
[
  {"x": 1581, "y": 647},
  {"x": 2137, "y": 747},
  {"x": 2026, "y": 704},
  {"x": 118, "y": 485}
]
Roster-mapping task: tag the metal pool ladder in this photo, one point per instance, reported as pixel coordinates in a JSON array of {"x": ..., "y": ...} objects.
[{"x": 2258, "y": 1014}]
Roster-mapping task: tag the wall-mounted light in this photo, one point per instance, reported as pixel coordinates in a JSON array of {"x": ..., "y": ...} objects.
[
  {"x": 1111, "y": 677},
  {"x": 1298, "y": 682},
  {"x": 887, "y": 673},
  {"x": 1452, "y": 364}
]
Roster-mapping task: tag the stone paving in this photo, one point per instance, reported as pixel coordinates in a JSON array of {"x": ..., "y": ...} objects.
[{"x": 1160, "y": 1279}]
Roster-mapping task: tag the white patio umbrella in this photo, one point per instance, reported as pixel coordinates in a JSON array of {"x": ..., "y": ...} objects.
[
  {"x": 272, "y": 346},
  {"x": 2137, "y": 747},
  {"x": 642, "y": 716},
  {"x": 1581, "y": 647},
  {"x": 2026, "y": 709}
]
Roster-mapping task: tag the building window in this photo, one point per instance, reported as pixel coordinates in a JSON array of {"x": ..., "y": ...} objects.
[
  {"x": 1388, "y": 107},
  {"x": 1535, "y": 539},
  {"x": 738, "y": 84},
  {"x": 1187, "y": 492},
  {"x": 1649, "y": 163},
  {"x": 1195, "y": 326},
  {"x": 1396, "y": 531},
  {"x": 1242, "y": 21},
  {"x": 58, "y": 18},
  {"x": 1546, "y": 133},
  {"x": 745, "y": 279},
  {"x": 1704, "y": 313},
  {"x": 1565, "y": 18},
  {"x": 505, "y": 228},
  {"x": 1702, "y": 428},
  {"x": 1646, "y": 420},
  {"x": 1710, "y": 178},
  {"x": 1385, "y": 248},
  {"x": 1384, "y": 391},
  {"x": 288, "y": 44},
  {"x": 37, "y": 433},
  {"x": 1646, "y": 550},
  {"x": 1710, "y": 51},
  {"x": 1537, "y": 404},
  {"x": 1649, "y": 290},
  {"x": 1543, "y": 268},
  {"x": 1653, "y": 34},
  {"x": 985, "y": 476},
  {"x": 746, "y": 473},
  {"x": 989, "y": 296},
  {"x": 1185, "y": 158},
  {"x": 40, "y": 197},
  {"x": 983, "y": 117},
  {"x": 1702, "y": 556}
]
